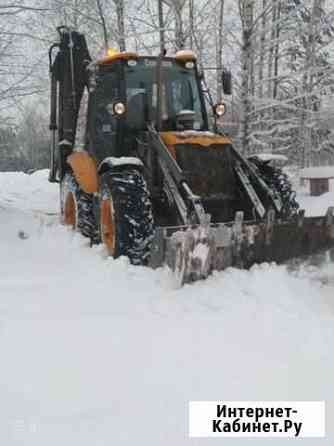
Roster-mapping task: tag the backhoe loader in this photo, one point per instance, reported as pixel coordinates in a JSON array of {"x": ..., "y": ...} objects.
[{"x": 142, "y": 171}]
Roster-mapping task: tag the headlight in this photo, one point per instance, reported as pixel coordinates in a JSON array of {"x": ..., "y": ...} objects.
[
  {"x": 220, "y": 109},
  {"x": 119, "y": 108}
]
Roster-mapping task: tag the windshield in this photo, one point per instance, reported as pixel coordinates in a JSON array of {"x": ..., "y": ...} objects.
[{"x": 179, "y": 92}]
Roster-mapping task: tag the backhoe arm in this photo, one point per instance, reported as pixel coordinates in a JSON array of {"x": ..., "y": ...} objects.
[{"x": 69, "y": 76}]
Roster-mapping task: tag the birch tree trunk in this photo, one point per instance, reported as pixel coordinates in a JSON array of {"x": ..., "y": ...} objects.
[
  {"x": 272, "y": 50},
  {"x": 262, "y": 48},
  {"x": 307, "y": 85},
  {"x": 75, "y": 14},
  {"x": 276, "y": 48},
  {"x": 177, "y": 7},
  {"x": 120, "y": 24},
  {"x": 103, "y": 24},
  {"x": 219, "y": 52},
  {"x": 161, "y": 26},
  {"x": 191, "y": 24},
  {"x": 246, "y": 13},
  {"x": 179, "y": 34},
  {"x": 271, "y": 65}
]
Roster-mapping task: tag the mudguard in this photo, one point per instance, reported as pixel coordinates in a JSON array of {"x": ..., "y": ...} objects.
[
  {"x": 84, "y": 170},
  {"x": 119, "y": 163}
]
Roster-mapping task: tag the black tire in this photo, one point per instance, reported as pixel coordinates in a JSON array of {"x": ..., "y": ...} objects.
[
  {"x": 83, "y": 219},
  {"x": 278, "y": 181},
  {"x": 131, "y": 210}
]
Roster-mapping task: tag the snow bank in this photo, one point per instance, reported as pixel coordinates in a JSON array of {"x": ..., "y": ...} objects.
[
  {"x": 271, "y": 157},
  {"x": 315, "y": 206},
  {"x": 317, "y": 172},
  {"x": 29, "y": 192},
  {"x": 98, "y": 352}
]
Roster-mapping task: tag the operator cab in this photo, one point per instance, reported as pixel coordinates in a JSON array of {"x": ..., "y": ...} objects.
[
  {"x": 124, "y": 100},
  {"x": 179, "y": 92}
]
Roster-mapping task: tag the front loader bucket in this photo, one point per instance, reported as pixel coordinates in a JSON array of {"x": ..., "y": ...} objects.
[
  {"x": 186, "y": 250},
  {"x": 193, "y": 252}
]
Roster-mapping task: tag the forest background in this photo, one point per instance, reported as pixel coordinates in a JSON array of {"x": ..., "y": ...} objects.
[{"x": 280, "y": 53}]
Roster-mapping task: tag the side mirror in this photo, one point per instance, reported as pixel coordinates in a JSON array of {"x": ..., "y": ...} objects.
[{"x": 227, "y": 82}]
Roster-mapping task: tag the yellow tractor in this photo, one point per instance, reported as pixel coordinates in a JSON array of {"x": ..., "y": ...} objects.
[{"x": 152, "y": 180}]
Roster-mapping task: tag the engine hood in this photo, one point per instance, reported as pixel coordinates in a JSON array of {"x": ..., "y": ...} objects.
[{"x": 193, "y": 137}]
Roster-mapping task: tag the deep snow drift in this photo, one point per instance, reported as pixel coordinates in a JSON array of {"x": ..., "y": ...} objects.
[
  {"x": 315, "y": 206},
  {"x": 98, "y": 352}
]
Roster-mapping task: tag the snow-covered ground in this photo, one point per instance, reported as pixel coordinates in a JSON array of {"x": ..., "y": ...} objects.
[
  {"x": 98, "y": 352},
  {"x": 315, "y": 206}
]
